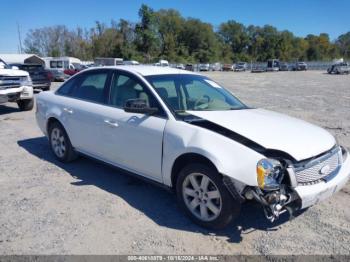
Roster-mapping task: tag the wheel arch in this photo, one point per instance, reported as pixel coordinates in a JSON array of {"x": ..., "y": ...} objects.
[
  {"x": 50, "y": 121},
  {"x": 186, "y": 159}
]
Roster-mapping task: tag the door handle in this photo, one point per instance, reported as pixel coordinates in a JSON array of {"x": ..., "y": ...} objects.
[
  {"x": 111, "y": 123},
  {"x": 69, "y": 111}
]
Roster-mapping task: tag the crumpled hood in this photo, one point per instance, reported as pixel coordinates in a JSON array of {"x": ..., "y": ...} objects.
[
  {"x": 273, "y": 130},
  {"x": 13, "y": 72}
]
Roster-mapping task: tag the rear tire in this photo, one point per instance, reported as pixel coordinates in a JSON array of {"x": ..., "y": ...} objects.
[
  {"x": 60, "y": 143},
  {"x": 26, "y": 105},
  {"x": 204, "y": 198}
]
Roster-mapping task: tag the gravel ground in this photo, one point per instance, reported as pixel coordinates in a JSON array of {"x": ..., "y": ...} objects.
[{"x": 88, "y": 208}]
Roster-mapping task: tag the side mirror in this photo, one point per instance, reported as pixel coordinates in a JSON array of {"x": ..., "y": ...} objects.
[
  {"x": 15, "y": 67},
  {"x": 139, "y": 106}
]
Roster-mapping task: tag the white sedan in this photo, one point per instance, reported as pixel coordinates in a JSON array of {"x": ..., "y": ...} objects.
[{"x": 185, "y": 131}]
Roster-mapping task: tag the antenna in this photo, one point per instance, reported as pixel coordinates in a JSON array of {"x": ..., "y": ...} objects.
[{"x": 19, "y": 39}]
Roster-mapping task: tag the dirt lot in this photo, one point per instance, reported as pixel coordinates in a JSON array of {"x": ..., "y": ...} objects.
[{"x": 88, "y": 208}]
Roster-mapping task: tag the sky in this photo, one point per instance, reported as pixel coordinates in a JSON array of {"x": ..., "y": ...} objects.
[{"x": 301, "y": 17}]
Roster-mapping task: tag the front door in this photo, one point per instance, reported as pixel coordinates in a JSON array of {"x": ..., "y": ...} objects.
[{"x": 133, "y": 141}]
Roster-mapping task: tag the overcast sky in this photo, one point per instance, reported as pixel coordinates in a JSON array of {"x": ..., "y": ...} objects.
[{"x": 298, "y": 16}]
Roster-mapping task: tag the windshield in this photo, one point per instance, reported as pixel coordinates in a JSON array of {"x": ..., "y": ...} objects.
[{"x": 193, "y": 93}]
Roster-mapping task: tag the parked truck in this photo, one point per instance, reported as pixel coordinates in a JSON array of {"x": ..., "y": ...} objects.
[{"x": 16, "y": 86}]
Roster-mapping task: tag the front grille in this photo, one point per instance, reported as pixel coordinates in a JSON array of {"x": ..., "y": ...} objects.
[
  {"x": 318, "y": 169},
  {"x": 10, "y": 82}
]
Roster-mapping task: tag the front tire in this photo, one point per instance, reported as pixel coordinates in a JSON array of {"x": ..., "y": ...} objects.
[
  {"x": 60, "y": 143},
  {"x": 26, "y": 105},
  {"x": 204, "y": 198}
]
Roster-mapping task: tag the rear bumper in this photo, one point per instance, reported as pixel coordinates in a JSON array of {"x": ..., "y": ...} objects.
[{"x": 312, "y": 194}]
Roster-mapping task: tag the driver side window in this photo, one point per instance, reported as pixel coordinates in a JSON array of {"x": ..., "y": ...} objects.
[{"x": 125, "y": 87}]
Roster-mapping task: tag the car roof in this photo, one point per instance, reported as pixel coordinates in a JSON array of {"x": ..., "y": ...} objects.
[{"x": 147, "y": 70}]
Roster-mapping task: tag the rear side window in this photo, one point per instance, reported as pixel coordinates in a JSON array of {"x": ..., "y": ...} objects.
[
  {"x": 67, "y": 87},
  {"x": 92, "y": 87}
]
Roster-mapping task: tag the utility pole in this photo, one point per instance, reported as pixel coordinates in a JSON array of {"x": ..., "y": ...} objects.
[{"x": 19, "y": 39}]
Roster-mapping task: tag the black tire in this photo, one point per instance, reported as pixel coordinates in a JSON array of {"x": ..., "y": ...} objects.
[
  {"x": 25, "y": 105},
  {"x": 230, "y": 207},
  {"x": 69, "y": 153}
]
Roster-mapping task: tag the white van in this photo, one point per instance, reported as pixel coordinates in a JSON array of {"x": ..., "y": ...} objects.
[
  {"x": 57, "y": 65},
  {"x": 108, "y": 61},
  {"x": 163, "y": 63}
]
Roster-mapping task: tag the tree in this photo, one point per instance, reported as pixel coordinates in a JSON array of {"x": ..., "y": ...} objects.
[
  {"x": 146, "y": 31},
  {"x": 319, "y": 47},
  {"x": 343, "y": 44},
  {"x": 299, "y": 49},
  {"x": 170, "y": 24},
  {"x": 165, "y": 34},
  {"x": 235, "y": 35},
  {"x": 200, "y": 40},
  {"x": 284, "y": 46}
]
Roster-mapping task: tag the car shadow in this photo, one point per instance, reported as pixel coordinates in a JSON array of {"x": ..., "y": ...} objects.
[
  {"x": 4, "y": 109},
  {"x": 143, "y": 196}
]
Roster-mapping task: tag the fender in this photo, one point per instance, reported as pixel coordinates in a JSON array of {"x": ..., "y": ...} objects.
[{"x": 229, "y": 157}]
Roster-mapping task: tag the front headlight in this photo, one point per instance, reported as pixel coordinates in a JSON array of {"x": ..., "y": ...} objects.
[
  {"x": 26, "y": 81},
  {"x": 269, "y": 174}
]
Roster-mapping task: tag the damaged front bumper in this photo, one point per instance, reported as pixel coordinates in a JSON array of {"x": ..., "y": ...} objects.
[
  {"x": 312, "y": 194},
  {"x": 293, "y": 198},
  {"x": 14, "y": 94}
]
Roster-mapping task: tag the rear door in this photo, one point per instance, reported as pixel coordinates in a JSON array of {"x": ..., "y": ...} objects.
[{"x": 83, "y": 109}]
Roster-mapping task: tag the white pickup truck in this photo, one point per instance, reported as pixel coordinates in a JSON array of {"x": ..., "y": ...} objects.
[{"x": 16, "y": 86}]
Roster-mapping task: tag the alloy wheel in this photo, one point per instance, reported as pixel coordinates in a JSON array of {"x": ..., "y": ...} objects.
[
  {"x": 202, "y": 196},
  {"x": 58, "y": 142}
]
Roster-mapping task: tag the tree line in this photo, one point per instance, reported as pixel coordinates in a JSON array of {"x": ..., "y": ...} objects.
[{"x": 165, "y": 34}]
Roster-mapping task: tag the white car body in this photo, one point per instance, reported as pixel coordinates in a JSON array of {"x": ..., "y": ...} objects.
[{"x": 151, "y": 146}]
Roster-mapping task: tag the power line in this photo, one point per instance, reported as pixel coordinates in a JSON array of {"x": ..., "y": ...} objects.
[{"x": 19, "y": 39}]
